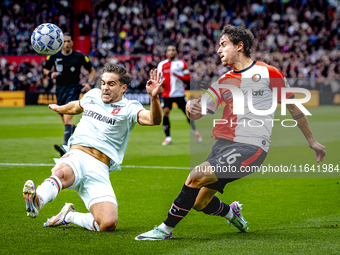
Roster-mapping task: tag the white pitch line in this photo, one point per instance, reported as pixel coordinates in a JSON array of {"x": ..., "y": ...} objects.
[{"x": 152, "y": 167}]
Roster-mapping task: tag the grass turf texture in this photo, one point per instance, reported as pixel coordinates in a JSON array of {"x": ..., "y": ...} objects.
[{"x": 285, "y": 215}]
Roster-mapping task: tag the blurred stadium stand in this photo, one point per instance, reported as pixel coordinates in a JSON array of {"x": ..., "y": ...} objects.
[{"x": 300, "y": 38}]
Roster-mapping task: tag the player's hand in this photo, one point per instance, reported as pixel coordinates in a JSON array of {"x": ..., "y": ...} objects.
[
  {"x": 193, "y": 106},
  {"x": 55, "y": 75},
  {"x": 154, "y": 84},
  {"x": 54, "y": 107},
  {"x": 319, "y": 149},
  {"x": 194, "y": 109},
  {"x": 86, "y": 87}
]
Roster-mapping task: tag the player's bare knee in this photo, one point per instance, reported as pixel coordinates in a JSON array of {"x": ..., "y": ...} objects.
[
  {"x": 108, "y": 224},
  {"x": 60, "y": 174},
  {"x": 196, "y": 181},
  {"x": 199, "y": 206},
  {"x": 166, "y": 112}
]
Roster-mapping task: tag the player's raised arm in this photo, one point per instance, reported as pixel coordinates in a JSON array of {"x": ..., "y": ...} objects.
[
  {"x": 71, "y": 108},
  {"x": 303, "y": 124},
  {"x": 154, "y": 116}
]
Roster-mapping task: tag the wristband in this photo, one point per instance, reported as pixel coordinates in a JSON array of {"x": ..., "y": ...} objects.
[
  {"x": 92, "y": 83},
  {"x": 50, "y": 74}
]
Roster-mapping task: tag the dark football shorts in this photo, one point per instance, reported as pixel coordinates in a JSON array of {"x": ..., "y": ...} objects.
[
  {"x": 66, "y": 94},
  {"x": 232, "y": 161},
  {"x": 180, "y": 101}
]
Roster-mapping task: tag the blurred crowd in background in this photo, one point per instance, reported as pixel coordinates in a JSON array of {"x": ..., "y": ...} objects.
[{"x": 300, "y": 38}]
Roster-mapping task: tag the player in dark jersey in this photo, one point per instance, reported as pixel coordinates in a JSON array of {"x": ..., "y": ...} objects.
[
  {"x": 67, "y": 64},
  {"x": 236, "y": 147}
]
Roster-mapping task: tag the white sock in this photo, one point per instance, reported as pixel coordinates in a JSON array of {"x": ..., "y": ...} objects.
[
  {"x": 168, "y": 138},
  {"x": 49, "y": 189},
  {"x": 85, "y": 220},
  {"x": 69, "y": 216},
  {"x": 229, "y": 215},
  {"x": 165, "y": 228}
]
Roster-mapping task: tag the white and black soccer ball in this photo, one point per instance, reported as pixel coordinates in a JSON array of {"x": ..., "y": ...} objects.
[{"x": 47, "y": 39}]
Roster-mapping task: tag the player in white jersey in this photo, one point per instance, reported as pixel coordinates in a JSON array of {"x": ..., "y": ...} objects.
[
  {"x": 96, "y": 148},
  {"x": 175, "y": 72},
  {"x": 238, "y": 145}
]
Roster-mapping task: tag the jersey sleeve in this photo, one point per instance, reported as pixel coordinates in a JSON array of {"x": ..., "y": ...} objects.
[
  {"x": 86, "y": 63},
  {"x": 279, "y": 81},
  {"x": 49, "y": 62},
  {"x": 134, "y": 108},
  {"x": 212, "y": 98},
  {"x": 159, "y": 69},
  {"x": 186, "y": 73}
]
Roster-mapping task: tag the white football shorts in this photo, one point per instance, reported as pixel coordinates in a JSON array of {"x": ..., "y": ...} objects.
[{"x": 92, "y": 179}]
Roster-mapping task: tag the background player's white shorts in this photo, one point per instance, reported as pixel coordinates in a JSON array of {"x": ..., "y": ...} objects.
[{"x": 92, "y": 180}]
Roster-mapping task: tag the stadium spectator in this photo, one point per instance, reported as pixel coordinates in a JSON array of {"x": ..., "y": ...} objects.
[
  {"x": 237, "y": 145},
  {"x": 176, "y": 76},
  {"x": 67, "y": 66},
  {"x": 97, "y": 148}
]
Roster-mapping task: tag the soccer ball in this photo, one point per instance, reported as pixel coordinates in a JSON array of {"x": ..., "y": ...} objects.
[{"x": 47, "y": 39}]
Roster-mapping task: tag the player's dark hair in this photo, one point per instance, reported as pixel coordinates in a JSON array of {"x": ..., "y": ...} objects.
[
  {"x": 239, "y": 34},
  {"x": 173, "y": 45},
  {"x": 68, "y": 34},
  {"x": 124, "y": 76}
]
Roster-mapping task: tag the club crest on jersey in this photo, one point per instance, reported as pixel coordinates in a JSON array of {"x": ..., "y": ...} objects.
[
  {"x": 116, "y": 111},
  {"x": 256, "y": 77}
]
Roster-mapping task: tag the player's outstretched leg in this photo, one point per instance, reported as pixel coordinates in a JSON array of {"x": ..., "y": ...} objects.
[
  {"x": 155, "y": 234},
  {"x": 59, "y": 219},
  {"x": 238, "y": 221},
  {"x": 232, "y": 213},
  {"x": 36, "y": 198},
  {"x": 33, "y": 203},
  {"x": 68, "y": 215}
]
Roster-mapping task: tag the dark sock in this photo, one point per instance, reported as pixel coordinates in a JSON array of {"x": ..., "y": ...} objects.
[
  {"x": 192, "y": 124},
  {"x": 166, "y": 126},
  {"x": 73, "y": 128},
  {"x": 216, "y": 207},
  {"x": 181, "y": 206},
  {"x": 67, "y": 133}
]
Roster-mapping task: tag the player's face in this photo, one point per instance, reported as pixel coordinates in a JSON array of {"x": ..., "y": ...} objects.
[
  {"x": 171, "y": 52},
  {"x": 68, "y": 43},
  {"x": 112, "y": 89},
  {"x": 227, "y": 51}
]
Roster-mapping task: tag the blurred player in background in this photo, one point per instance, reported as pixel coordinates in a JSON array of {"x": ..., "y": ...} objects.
[
  {"x": 97, "y": 148},
  {"x": 67, "y": 65},
  {"x": 175, "y": 73},
  {"x": 237, "y": 145}
]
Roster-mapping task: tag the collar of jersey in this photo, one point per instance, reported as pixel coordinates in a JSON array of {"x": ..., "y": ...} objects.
[
  {"x": 66, "y": 54},
  {"x": 121, "y": 102},
  {"x": 172, "y": 60},
  {"x": 254, "y": 62}
]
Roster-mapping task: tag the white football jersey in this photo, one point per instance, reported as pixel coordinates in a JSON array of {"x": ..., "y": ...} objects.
[
  {"x": 106, "y": 127},
  {"x": 259, "y": 79}
]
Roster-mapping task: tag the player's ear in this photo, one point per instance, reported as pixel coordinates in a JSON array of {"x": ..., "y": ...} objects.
[
  {"x": 240, "y": 46},
  {"x": 124, "y": 88}
]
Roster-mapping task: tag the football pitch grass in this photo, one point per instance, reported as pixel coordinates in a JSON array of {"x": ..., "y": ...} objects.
[{"x": 285, "y": 215}]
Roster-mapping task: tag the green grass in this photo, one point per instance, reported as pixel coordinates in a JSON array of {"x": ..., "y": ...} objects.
[{"x": 285, "y": 215}]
